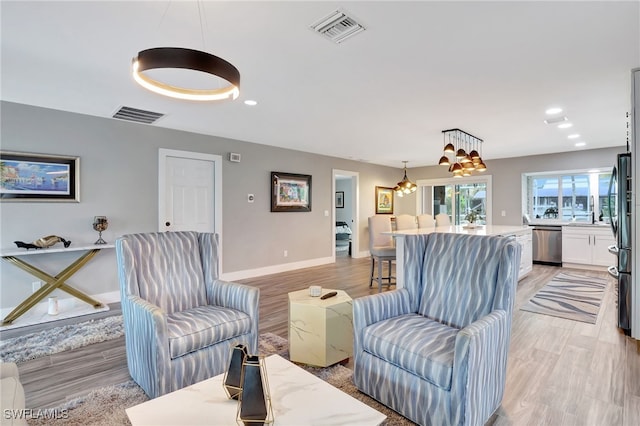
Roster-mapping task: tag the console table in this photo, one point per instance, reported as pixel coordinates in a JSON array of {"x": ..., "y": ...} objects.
[{"x": 51, "y": 282}]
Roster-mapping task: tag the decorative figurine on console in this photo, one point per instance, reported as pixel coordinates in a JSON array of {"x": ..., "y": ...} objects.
[
  {"x": 100, "y": 223},
  {"x": 43, "y": 242}
]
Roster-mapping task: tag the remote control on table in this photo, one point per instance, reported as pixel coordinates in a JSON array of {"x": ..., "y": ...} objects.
[{"x": 328, "y": 295}]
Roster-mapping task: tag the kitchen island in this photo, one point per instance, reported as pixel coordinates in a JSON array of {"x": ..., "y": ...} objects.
[{"x": 522, "y": 234}]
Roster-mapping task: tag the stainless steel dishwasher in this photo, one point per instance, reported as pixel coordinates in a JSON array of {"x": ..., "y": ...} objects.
[{"x": 547, "y": 244}]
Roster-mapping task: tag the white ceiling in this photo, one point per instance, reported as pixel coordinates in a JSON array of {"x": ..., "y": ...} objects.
[{"x": 489, "y": 68}]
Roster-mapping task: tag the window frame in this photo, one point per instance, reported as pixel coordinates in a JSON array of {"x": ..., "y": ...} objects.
[{"x": 593, "y": 174}]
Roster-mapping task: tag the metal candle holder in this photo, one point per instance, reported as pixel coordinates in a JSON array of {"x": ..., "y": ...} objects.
[{"x": 100, "y": 223}]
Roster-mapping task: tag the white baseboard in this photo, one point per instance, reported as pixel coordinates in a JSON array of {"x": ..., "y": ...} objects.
[{"x": 274, "y": 269}]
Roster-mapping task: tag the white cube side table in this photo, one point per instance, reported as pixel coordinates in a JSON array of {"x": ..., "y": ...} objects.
[{"x": 320, "y": 331}]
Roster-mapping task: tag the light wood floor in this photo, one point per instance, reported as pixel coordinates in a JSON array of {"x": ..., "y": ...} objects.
[{"x": 560, "y": 372}]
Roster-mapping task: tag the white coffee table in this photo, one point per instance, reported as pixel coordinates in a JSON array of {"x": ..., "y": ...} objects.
[{"x": 298, "y": 398}]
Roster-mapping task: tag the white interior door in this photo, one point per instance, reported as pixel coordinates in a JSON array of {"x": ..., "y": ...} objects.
[{"x": 190, "y": 191}]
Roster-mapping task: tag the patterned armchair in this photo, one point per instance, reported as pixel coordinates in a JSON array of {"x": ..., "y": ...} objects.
[
  {"x": 180, "y": 320},
  {"x": 436, "y": 350}
]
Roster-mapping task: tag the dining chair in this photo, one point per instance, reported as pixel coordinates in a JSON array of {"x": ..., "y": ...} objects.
[
  {"x": 442, "y": 219},
  {"x": 406, "y": 221},
  {"x": 426, "y": 221}
]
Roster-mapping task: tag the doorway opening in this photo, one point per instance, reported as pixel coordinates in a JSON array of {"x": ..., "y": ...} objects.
[{"x": 345, "y": 226}]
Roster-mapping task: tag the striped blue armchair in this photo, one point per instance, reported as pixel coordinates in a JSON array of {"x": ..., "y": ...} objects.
[
  {"x": 436, "y": 350},
  {"x": 180, "y": 320}
]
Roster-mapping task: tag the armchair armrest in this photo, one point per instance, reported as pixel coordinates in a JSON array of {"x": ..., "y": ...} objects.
[
  {"x": 147, "y": 342},
  {"x": 9, "y": 369},
  {"x": 236, "y": 296},
  {"x": 480, "y": 367},
  {"x": 240, "y": 297},
  {"x": 371, "y": 309}
]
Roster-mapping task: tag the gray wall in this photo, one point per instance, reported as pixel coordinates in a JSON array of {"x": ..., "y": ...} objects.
[
  {"x": 507, "y": 177},
  {"x": 118, "y": 173},
  {"x": 119, "y": 169}
]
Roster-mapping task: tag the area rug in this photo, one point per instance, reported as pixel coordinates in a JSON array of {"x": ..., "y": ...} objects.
[
  {"x": 59, "y": 339},
  {"x": 106, "y": 406},
  {"x": 570, "y": 296}
]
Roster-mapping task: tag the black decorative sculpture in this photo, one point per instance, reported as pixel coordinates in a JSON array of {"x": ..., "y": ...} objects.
[
  {"x": 255, "y": 400},
  {"x": 43, "y": 242},
  {"x": 233, "y": 377},
  {"x": 28, "y": 246}
]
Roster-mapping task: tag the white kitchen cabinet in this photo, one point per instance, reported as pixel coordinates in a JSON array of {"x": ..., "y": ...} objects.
[
  {"x": 587, "y": 246},
  {"x": 526, "y": 257}
]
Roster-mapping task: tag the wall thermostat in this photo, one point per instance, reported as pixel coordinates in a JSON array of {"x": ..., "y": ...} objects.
[{"x": 234, "y": 157}]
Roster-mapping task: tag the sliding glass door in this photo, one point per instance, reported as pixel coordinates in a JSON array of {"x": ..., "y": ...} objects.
[{"x": 457, "y": 199}]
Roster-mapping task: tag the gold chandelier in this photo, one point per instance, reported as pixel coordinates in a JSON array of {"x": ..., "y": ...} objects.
[
  {"x": 405, "y": 186},
  {"x": 463, "y": 148}
]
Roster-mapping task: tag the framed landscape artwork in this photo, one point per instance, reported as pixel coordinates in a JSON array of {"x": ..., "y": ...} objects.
[
  {"x": 290, "y": 192},
  {"x": 340, "y": 199},
  {"x": 384, "y": 200},
  {"x": 39, "y": 177}
]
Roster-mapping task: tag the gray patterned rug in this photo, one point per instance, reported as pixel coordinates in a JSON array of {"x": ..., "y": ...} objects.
[
  {"x": 570, "y": 296},
  {"x": 59, "y": 339}
]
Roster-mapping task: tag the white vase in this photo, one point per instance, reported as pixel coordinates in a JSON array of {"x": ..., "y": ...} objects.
[{"x": 53, "y": 305}]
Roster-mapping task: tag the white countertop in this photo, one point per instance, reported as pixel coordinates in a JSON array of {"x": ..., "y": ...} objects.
[
  {"x": 463, "y": 229},
  {"x": 567, "y": 223}
]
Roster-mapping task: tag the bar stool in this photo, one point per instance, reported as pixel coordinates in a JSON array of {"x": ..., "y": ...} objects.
[{"x": 381, "y": 248}]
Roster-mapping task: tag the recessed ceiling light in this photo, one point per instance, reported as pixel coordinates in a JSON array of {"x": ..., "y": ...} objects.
[
  {"x": 250, "y": 102},
  {"x": 554, "y": 110},
  {"x": 573, "y": 136},
  {"x": 581, "y": 143},
  {"x": 564, "y": 125}
]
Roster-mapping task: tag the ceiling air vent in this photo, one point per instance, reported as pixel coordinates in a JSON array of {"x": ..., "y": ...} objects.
[
  {"x": 555, "y": 120},
  {"x": 137, "y": 115},
  {"x": 337, "y": 27}
]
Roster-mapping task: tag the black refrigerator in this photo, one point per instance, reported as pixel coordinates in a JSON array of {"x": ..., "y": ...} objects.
[{"x": 620, "y": 209}]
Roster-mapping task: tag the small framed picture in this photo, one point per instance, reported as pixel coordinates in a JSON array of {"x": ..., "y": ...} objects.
[
  {"x": 39, "y": 177},
  {"x": 340, "y": 199},
  {"x": 384, "y": 200},
  {"x": 290, "y": 192}
]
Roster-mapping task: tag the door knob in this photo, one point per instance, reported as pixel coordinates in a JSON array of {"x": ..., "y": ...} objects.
[{"x": 167, "y": 224}]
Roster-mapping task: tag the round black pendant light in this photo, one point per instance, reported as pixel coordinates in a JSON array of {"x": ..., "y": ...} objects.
[{"x": 177, "y": 57}]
